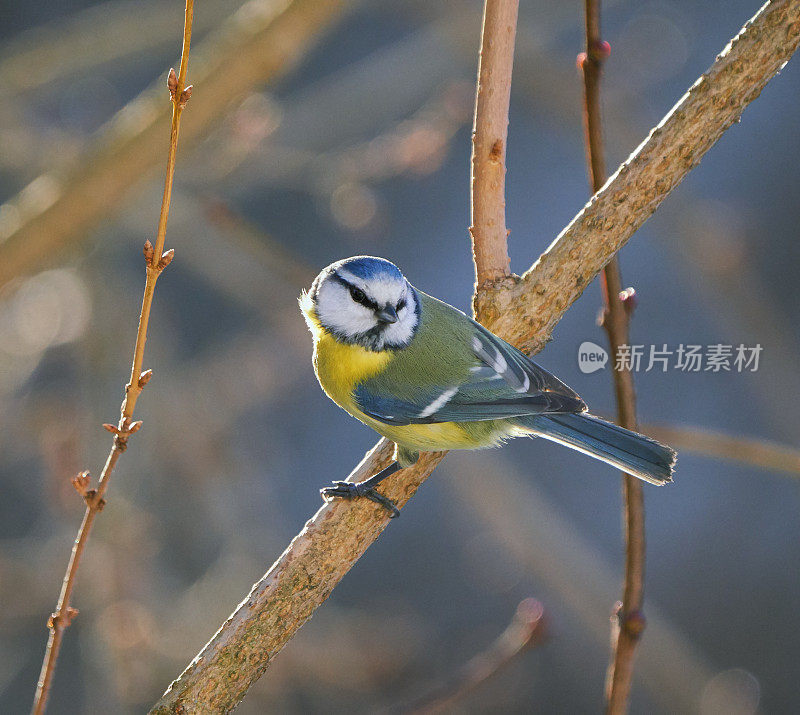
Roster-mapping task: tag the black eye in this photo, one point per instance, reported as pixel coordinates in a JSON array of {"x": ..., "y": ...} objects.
[
  {"x": 401, "y": 305},
  {"x": 358, "y": 295}
]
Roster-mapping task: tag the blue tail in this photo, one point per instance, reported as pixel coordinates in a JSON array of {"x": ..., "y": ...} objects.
[{"x": 631, "y": 452}]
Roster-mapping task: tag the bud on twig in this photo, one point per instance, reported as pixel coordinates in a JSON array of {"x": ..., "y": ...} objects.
[
  {"x": 166, "y": 259},
  {"x": 629, "y": 300},
  {"x": 80, "y": 482},
  {"x": 172, "y": 83},
  {"x": 94, "y": 500},
  {"x": 148, "y": 252},
  {"x": 185, "y": 96},
  {"x": 600, "y": 50},
  {"x": 144, "y": 378},
  {"x": 633, "y": 623},
  {"x": 121, "y": 434},
  {"x": 62, "y": 621}
]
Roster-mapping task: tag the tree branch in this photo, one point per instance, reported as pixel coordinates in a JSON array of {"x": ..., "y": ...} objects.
[
  {"x": 627, "y": 621},
  {"x": 156, "y": 260},
  {"x": 489, "y": 134},
  {"x": 260, "y": 42},
  {"x": 523, "y": 312}
]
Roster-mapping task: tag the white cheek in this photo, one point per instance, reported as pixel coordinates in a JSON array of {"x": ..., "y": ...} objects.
[{"x": 337, "y": 311}]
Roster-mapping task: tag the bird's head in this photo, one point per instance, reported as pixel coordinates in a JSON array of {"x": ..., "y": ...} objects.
[{"x": 363, "y": 301}]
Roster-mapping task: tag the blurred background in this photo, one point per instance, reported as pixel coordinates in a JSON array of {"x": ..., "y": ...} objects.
[{"x": 344, "y": 128}]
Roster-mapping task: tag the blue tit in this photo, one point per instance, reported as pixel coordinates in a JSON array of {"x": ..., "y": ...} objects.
[{"x": 429, "y": 378}]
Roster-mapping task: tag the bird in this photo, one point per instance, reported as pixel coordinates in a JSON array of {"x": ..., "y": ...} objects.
[{"x": 428, "y": 377}]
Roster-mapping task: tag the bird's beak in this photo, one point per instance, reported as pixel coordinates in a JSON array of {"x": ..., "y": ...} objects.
[{"x": 387, "y": 315}]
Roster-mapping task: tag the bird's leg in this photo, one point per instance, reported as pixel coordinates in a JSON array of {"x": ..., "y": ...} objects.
[{"x": 354, "y": 490}]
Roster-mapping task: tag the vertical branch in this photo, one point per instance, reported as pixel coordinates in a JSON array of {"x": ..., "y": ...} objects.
[
  {"x": 627, "y": 621},
  {"x": 489, "y": 132},
  {"x": 155, "y": 262}
]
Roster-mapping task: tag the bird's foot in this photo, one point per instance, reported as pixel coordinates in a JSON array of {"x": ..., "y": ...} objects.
[{"x": 356, "y": 490}]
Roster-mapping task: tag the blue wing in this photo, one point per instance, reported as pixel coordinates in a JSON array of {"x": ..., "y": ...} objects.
[{"x": 502, "y": 383}]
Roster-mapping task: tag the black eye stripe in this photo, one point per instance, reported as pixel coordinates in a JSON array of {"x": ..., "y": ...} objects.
[
  {"x": 358, "y": 295},
  {"x": 363, "y": 299}
]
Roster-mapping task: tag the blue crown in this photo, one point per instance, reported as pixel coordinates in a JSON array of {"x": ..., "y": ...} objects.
[{"x": 369, "y": 267}]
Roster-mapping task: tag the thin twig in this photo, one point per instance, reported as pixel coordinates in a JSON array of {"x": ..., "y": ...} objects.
[
  {"x": 525, "y": 314},
  {"x": 627, "y": 621},
  {"x": 527, "y": 629},
  {"x": 156, "y": 261},
  {"x": 489, "y": 134}
]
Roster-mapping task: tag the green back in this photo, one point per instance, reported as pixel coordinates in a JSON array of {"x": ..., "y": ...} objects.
[{"x": 439, "y": 354}]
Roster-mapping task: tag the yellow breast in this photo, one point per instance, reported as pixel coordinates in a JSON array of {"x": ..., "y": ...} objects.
[{"x": 341, "y": 367}]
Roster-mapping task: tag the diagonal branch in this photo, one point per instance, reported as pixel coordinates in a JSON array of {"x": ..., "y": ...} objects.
[{"x": 525, "y": 313}]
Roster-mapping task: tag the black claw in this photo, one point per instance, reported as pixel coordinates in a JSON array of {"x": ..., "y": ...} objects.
[{"x": 352, "y": 490}]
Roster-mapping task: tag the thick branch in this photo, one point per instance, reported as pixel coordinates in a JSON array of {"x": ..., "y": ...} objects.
[
  {"x": 256, "y": 45},
  {"x": 525, "y": 313},
  {"x": 489, "y": 133}
]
